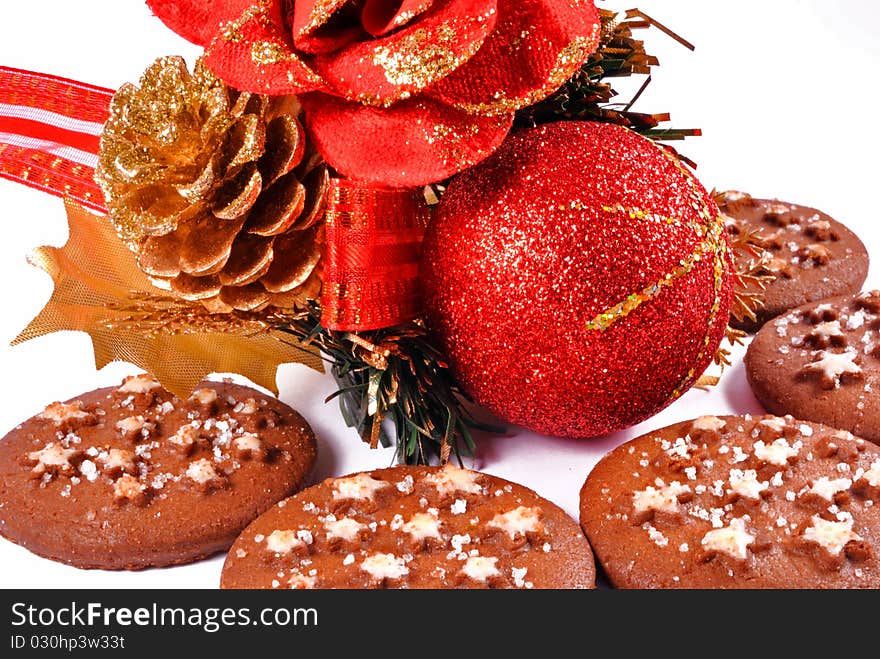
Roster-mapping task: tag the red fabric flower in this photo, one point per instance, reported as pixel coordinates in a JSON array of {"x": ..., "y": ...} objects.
[{"x": 396, "y": 92}]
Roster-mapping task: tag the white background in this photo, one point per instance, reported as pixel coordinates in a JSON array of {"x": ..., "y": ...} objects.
[{"x": 784, "y": 91}]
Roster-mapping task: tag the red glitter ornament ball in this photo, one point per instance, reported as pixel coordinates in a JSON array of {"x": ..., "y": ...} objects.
[{"x": 578, "y": 280}]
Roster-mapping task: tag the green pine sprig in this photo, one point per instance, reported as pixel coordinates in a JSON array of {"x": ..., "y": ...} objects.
[{"x": 395, "y": 388}]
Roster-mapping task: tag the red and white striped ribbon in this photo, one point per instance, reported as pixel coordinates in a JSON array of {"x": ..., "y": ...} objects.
[{"x": 50, "y": 132}]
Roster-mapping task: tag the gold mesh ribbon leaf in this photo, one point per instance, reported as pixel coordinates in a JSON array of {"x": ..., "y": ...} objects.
[{"x": 96, "y": 278}]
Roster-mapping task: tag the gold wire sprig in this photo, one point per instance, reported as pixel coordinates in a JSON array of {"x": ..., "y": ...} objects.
[
  {"x": 153, "y": 315},
  {"x": 749, "y": 280},
  {"x": 751, "y": 276}
]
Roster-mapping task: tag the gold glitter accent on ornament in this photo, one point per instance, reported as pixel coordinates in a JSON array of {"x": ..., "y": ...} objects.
[
  {"x": 606, "y": 319},
  {"x": 231, "y": 31},
  {"x": 714, "y": 242},
  {"x": 422, "y": 57},
  {"x": 639, "y": 214},
  {"x": 568, "y": 61},
  {"x": 269, "y": 52}
]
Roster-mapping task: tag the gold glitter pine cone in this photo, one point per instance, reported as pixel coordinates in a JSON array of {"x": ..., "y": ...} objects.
[{"x": 215, "y": 190}]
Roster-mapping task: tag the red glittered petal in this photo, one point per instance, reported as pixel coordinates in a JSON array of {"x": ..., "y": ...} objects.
[
  {"x": 381, "y": 17},
  {"x": 414, "y": 143},
  {"x": 383, "y": 71},
  {"x": 254, "y": 53},
  {"x": 537, "y": 45},
  {"x": 198, "y": 21}
]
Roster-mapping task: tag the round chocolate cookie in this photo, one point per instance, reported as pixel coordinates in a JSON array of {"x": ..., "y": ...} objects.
[
  {"x": 822, "y": 362},
  {"x": 737, "y": 502},
  {"x": 812, "y": 256},
  {"x": 129, "y": 477},
  {"x": 412, "y": 527}
]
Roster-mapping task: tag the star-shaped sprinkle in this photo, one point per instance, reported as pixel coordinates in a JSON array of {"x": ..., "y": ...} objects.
[{"x": 832, "y": 368}]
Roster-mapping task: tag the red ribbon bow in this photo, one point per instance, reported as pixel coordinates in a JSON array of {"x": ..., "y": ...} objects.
[{"x": 374, "y": 238}]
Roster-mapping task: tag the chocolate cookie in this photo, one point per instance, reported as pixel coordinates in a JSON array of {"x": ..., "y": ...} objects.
[
  {"x": 822, "y": 362},
  {"x": 412, "y": 527},
  {"x": 737, "y": 502},
  {"x": 131, "y": 477},
  {"x": 812, "y": 256}
]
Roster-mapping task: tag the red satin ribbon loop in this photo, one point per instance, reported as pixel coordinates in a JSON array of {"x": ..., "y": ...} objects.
[{"x": 371, "y": 262}]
